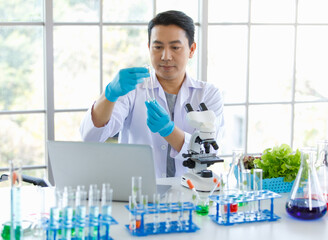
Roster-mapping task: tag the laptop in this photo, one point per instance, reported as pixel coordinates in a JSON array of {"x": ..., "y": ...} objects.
[{"x": 85, "y": 163}]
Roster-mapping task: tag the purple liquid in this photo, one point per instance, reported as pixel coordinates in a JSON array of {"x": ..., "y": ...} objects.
[{"x": 299, "y": 208}]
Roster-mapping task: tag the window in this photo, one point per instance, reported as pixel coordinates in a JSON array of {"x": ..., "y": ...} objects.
[{"x": 268, "y": 57}]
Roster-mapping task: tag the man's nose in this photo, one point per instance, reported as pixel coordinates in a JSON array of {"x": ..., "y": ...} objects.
[{"x": 166, "y": 55}]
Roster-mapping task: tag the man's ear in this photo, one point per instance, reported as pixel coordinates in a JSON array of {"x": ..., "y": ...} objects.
[{"x": 192, "y": 50}]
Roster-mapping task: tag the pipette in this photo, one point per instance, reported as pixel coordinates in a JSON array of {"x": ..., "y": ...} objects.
[
  {"x": 217, "y": 184},
  {"x": 192, "y": 187},
  {"x": 149, "y": 83}
]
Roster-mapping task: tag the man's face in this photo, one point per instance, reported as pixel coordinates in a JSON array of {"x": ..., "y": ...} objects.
[{"x": 169, "y": 51}]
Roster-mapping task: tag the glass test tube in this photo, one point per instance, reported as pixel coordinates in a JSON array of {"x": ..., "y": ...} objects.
[
  {"x": 180, "y": 222},
  {"x": 15, "y": 171},
  {"x": 257, "y": 187},
  {"x": 156, "y": 202},
  {"x": 168, "y": 214},
  {"x": 238, "y": 159},
  {"x": 80, "y": 213},
  {"x": 132, "y": 214},
  {"x": 67, "y": 213},
  {"x": 106, "y": 210},
  {"x": 149, "y": 84},
  {"x": 136, "y": 189},
  {"x": 246, "y": 173},
  {"x": 94, "y": 195},
  {"x": 54, "y": 220}
]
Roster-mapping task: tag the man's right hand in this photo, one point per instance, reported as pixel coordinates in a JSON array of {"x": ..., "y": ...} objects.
[{"x": 124, "y": 82}]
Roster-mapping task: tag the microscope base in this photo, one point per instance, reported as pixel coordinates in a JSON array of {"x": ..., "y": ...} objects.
[{"x": 201, "y": 184}]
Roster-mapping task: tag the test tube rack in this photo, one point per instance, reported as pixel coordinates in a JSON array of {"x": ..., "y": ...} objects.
[
  {"x": 227, "y": 218},
  {"x": 175, "y": 207},
  {"x": 55, "y": 232}
]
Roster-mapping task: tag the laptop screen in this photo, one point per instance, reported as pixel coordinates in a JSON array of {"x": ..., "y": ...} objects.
[{"x": 85, "y": 163}]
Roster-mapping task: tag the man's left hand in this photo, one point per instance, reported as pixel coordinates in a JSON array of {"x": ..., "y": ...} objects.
[{"x": 158, "y": 120}]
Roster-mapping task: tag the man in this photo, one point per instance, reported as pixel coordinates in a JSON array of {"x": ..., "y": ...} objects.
[{"x": 123, "y": 108}]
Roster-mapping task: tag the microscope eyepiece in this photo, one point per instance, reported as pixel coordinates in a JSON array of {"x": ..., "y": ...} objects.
[
  {"x": 188, "y": 108},
  {"x": 203, "y": 107}
]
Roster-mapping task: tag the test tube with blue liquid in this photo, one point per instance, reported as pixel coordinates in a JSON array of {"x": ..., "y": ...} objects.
[
  {"x": 106, "y": 211},
  {"x": 67, "y": 224},
  {"x": 80, "y": 213},
  {"x": 94, "y": 195}
]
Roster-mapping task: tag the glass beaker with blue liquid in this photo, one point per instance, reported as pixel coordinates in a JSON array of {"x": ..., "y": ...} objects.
[{"x": 306, "y": 200}]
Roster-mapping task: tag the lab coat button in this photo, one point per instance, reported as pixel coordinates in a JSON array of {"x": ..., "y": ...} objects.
[{"x": 163, "y": 147}]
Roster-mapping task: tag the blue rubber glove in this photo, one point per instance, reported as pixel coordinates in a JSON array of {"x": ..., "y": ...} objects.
[
  {"x": 158, "y": 120},
  {"x": 124, "y": 82}
]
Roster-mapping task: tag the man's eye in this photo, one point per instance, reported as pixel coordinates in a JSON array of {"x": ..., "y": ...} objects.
[
  {"x": 157, "y": 47},
  {"x": 176, "y": 48}
]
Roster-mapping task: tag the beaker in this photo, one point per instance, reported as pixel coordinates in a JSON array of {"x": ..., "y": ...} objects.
[
  {"x": 322, "y": 167},
  {"x": 306, "y": 200}
]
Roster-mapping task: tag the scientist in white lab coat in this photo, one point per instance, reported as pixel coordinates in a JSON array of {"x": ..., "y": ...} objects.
[{"x": 123, "y": 108}]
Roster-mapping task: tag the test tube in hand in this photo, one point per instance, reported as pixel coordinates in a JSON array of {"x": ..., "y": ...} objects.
[{"x": 149, "y": 84}]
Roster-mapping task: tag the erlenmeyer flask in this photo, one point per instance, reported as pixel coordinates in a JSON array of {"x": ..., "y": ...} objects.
[
  {"x": 306, "y": 200},
  {"x": 322, "y": 167}
]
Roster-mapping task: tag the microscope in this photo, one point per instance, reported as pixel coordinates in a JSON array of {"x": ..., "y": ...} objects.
[{"x": 199, "y": 155}]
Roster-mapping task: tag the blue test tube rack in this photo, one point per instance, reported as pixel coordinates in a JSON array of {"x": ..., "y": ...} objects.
[
  {"x": 245, "y": 198},
  {"x": 148, "y": 228},
  {"x": 54, "y": 231}
]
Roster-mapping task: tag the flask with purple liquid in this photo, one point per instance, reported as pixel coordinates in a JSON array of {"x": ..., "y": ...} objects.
[{"x": 306, "y": 199}]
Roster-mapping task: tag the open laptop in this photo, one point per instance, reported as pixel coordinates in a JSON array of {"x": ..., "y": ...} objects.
[{"x": 85, "y": 163}]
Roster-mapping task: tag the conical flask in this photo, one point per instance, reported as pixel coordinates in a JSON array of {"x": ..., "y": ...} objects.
[
  {"x": 322, "y": 167},
  {"x": 306, "y": 200}
]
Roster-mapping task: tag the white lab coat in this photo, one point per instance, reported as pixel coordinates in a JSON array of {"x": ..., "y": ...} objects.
[{"x": 129, "y": 117}]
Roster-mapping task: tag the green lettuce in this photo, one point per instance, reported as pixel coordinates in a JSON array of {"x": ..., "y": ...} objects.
[{"x": 279, "y": 161}]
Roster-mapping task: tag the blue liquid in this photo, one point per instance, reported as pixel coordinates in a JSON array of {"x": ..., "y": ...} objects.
[{"x": 299, "y": 208}]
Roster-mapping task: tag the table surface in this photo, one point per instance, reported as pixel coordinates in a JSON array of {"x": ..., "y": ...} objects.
[{"x": 284, "y": 228}]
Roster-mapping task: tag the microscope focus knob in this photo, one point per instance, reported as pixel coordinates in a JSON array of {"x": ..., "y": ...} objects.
[{"x": 206, "y": 173}]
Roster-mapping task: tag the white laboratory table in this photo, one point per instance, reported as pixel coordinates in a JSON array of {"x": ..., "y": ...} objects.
[{"x": 284, "y": 228}]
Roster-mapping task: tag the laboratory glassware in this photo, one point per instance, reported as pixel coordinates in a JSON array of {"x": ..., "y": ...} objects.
[
  {"x": 149, "y": 85},
  {"x": 257, "y": 188},
  {"x": 15, "y": 172},
  {"x": 238, "y": 162},
  {"x": 322, "y": 167},
  {"x": 156, "y": 202},
  {"x": 306, "y": 200}
]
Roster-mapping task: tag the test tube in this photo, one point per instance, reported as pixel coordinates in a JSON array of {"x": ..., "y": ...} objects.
[
  {"x": 136, "y": 189},
  {"x": 257, "y": 187},
  {"x": 132, "y": 214},
  {"x": 168, "y": 204},
  {"x": 247, "y": 188},
  {"x": 80, "y": 213},
  {"x": 180, "y": 222},
  {"x": 149, "y": 84},
  {"x": 54, "y": 220},
  {"x": 144, "y": 211},
  {"x": 94, "y": 195},
  {"x": 15, "y": 169},
  {"x": 106, "y": 210},
  {"x": 67, "y": 213},
  {"x": 156, "y": 201}
]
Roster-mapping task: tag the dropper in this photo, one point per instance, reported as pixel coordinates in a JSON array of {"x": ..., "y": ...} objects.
[
  {"x": 192, "y": 187},
  {"x": 216, "y": 185}
]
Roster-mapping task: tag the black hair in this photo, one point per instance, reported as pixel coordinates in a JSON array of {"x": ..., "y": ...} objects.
[{"x": 177, "y": 18}]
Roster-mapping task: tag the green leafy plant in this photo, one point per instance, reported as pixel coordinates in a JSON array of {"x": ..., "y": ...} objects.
[{"x": 279, "y": 161}]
